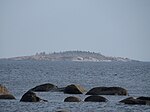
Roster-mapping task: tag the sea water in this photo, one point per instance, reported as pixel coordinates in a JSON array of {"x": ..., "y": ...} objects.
[{"x": 20, "y": 76}]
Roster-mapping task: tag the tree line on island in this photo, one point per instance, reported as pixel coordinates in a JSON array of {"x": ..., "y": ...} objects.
[{"x": 72, "y": 56}]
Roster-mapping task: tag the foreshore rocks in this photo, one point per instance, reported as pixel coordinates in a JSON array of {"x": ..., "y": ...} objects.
[
  {"x": 95, "y": 98},
  {"x": 72, "y": 99},
  {"x": 136, "y": 101},
  {"x": 74, "y": 89},
  {"x": 45, "y": 88},
  {"x": 5, "y": 94},
  {"x": 107, "y": 91},
  {"x": 31, "y": 97}
]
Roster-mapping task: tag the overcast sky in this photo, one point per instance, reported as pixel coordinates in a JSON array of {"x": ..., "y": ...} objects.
[{"x": 112, "y": 27}]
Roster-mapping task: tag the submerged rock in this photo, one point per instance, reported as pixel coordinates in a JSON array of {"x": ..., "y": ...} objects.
[
  {"x": 30, "y": 97},
  {"x": 61, "y": 89},
  {"x": 107, "y": 91},
  {"x": 72, "y": 99},
  {"x": 95, "y": 98},
  {"x": 7, "y": 96},
  {"x": 44, "y": 88},
  {"x": 144, "y": 98},
  {"x": 137, "y": 101},
  {"x": 74, "y": 89},
  {"x": 63, "y": 110}
]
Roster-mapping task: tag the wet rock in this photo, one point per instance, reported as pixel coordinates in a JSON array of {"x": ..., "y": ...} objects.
[
  {"x": 107, "y": 91},
  {"x": 144, "y": 98},
  {"x": 133, "y": 101},
  {"x": 63, "y": 111},
  {"x": 61, "y": 89},
  {"x": 44, "y": 88},
  {"x": 7, "y": 96},
  {"x": 127, "y": 100},
  {"x": 74, "y": 89},
  {"x": 95, "y": 98},
  {"x": 30, "y": 97},
  {"x": 72, "y": 99},
  {"x": 3, "y": 90}
]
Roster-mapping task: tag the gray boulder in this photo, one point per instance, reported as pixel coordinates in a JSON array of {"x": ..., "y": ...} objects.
[
  {"x": 44, "y": 88},
  {"x": 107, "y": 91},
  {"x": 95, "y": 98},
  {"x": 74, "y": 89},
  {"x": 31, "y": 97},
  {"x": 72, "y": 99}
]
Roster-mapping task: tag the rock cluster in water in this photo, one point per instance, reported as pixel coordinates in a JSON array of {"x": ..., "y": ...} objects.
[
  {"x": 137, "y": 101},
  {"x": 94, "y": 94}
]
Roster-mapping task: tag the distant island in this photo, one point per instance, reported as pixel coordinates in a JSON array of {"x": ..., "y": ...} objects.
[{"x": 80, "y": 56}]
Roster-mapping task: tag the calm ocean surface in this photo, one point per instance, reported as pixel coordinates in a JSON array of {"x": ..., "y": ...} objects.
[{"x": 20, "y": 76}]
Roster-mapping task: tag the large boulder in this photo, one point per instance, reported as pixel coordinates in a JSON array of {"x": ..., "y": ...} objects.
[
  {"x": 74, "y": 89},
  {"x": 7, "y": 96},
  {"x": 95, "y": 98},
  {"x": 30, "y": 97},
  {"x": 107, "y": 91},
  {"x": 4, "y": 93},
  {"x": 44, "y": 88},
  {"x": 72, "y": 99},
  {"x": 137, "y": 101},
  {"x": 3, "y": 90}
]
